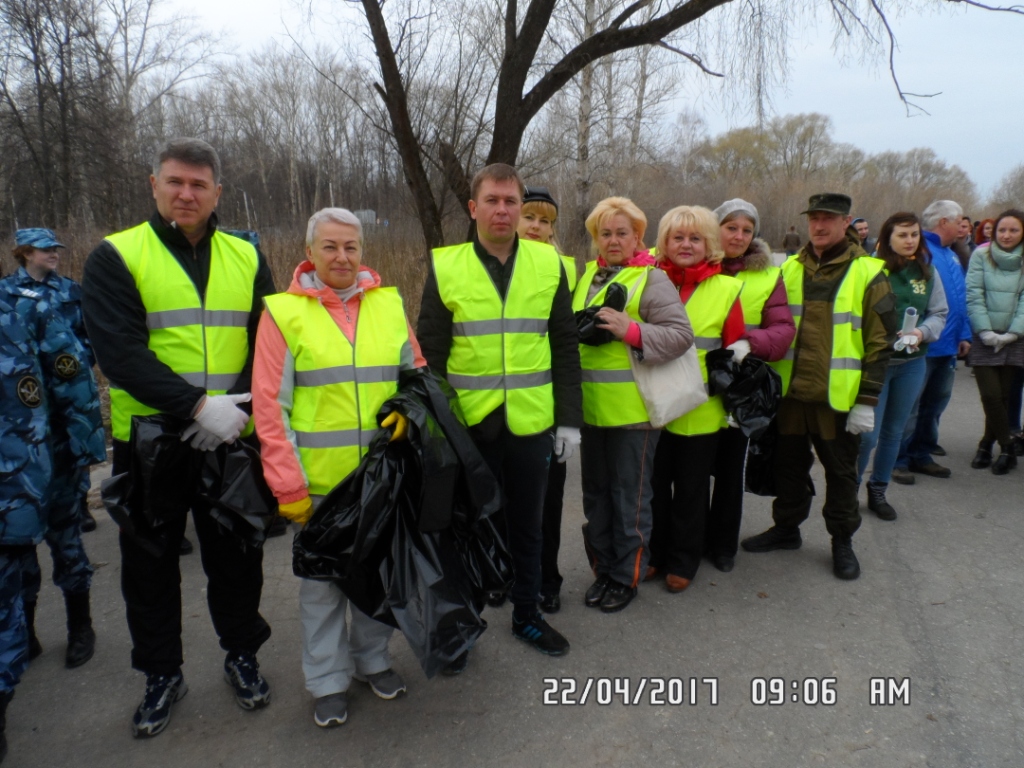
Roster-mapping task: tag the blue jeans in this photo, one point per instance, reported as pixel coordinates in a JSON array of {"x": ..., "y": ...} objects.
[
  {"x": 921, "y": 434},
  {"x": 900, "y": 391}
]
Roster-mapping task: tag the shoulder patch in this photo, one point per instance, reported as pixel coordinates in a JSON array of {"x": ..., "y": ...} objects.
[
  {"x": 66, "y": 366},
  {"x": 30, "y": 392}
]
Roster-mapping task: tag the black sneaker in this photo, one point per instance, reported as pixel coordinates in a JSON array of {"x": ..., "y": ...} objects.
[
  {"x": 242, "y": 672},
  {"x": 154, "y": 713},
  {"x": 540, "y": 635},
  {"x": 457, "y": 665},
  {"x": 775, "y": 537}
]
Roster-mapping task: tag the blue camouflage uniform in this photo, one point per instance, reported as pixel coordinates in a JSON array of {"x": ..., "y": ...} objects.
[
  {"x": 69, "y": 486},
  {"x": 43, "y": 378}
]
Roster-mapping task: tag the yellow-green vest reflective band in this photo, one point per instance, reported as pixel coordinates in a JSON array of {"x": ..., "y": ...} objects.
[
  {"x": 500, "y": 350},
  {"x": 757, "y": 287},
  {"x": 708, "y": 307},
  {"x": 570, "y": 271},
  {"x": 847, "y": 337},
  {"x": 206, "y": 343},
  {"x": 610, "y": 395},
  {"x": 339, "y": 389}
]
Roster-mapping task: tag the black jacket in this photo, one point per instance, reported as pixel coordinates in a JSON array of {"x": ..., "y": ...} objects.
[
  {"x": 434, "y": 331},
  {"x": 116, "y": 320}
]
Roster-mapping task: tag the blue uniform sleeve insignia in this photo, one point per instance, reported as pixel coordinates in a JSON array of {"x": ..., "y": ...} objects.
[
  {"x": 30, "y": 391},
  {"x": 66, "y": 367}
]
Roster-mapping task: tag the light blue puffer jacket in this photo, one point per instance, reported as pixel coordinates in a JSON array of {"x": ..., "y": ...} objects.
[{"x": 995, "y": 290}]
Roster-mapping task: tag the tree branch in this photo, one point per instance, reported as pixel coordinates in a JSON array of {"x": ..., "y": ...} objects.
[
  {"x": 905, "y": 96},
  {"x": 691, "y": 57}
]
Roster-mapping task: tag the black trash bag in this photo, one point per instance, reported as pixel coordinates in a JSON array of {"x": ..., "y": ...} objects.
[
  {"x": 586, "y": 319},
  {"x": 759, "y": 474},
  {"x": 410, "y": 536},
  {"x": 166, "y": 476},
  {"x": 751, "y": 391}
]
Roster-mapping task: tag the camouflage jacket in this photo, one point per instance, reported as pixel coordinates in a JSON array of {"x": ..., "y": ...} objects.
[
  {"x": 41, "y": 374},
  {"x": 63, "y": 295}
]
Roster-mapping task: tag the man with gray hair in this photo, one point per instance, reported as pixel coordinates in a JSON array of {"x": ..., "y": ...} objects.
[
  {"x": 941, "y": 222},
  {"x": 172, "y": 306}
]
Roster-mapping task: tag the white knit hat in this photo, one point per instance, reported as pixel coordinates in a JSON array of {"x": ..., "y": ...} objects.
[{"x": 739, "y": 205}]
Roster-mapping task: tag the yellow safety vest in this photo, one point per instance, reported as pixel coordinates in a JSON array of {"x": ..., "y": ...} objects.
[
  {"x": 206, "y": 343},
  {"x": 500, "y": 349},
  {"x": 708, "y": 307},
  {"x": 847, "y": 336},
  {"x": 610, "y": 395},
  {"x": 569, "y": 263},
  {"x": 339, "y": 387},
  {"x": 757, "y": 287}
]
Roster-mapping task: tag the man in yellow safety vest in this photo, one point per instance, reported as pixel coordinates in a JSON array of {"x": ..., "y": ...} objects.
[
  {"x": 172, "y": 307},
  {"x": 496, "y": 320},
  {"x": 832, "y": 375}
]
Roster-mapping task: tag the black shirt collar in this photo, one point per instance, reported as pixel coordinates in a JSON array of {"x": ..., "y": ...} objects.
[{"x": 174, "y": 237}]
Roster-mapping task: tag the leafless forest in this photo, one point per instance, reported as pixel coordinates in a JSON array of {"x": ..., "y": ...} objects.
[{"x": 396, "y": 117}]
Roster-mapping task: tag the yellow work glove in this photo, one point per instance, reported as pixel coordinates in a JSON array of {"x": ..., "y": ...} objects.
[
  {"x": 297, "y": 511},
  {"x": 400, "y": 423}
]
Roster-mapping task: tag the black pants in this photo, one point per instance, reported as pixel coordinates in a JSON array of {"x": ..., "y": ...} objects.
[
  {"x": 682, "y": 474},
  {"x": 521, "y": 466},
  {"x": 152, "y": 589},
  {"x": 722, "y": 535},
  {"x": 994, "y": 382},
  {"x": 793, "y": 462},
  {"x": 551, "y": 529}
]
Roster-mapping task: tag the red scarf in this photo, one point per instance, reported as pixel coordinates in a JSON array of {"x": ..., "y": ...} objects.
[
  {"x": 685, "y": 276},
  {"x": 638, "y": 259}
]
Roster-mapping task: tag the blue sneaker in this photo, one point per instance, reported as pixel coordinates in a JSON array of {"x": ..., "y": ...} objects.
[
  {"x": 540, "y": 635},
  {"x": 242, "y": 672},
  {"x": 154, "y": 713}
]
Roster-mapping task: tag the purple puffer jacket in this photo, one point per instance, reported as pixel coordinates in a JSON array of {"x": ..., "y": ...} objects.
[{"x": 771, "y": 341}]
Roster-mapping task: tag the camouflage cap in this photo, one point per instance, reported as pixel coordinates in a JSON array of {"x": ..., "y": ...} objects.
[
  {"x": 539, "y": 195},
  {"x": 829, "y": 202},
  {"x": 37, "y": 237}
]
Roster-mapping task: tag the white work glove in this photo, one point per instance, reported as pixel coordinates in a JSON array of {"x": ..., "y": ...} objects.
[
  {"x": 1003, "y": 339},
  {"x": 740, "y": 349},
  {"x": 731, "y": 422},
  {"x": 221, "y": 416},
  {"x": 202, "y": 439},
  {"x": 861, "y": 419},
  {"x": 567, "y": 440},
  {"x": 989, "y": 338}
]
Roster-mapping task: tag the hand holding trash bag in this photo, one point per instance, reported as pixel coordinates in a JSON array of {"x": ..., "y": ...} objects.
[
  {"x": 400, "y": 424},
  {"x": 221, "y": 416},
  {"x": 751, "y": 390},
  {"x": 298, "y": 511},
  {"x": 590, "y": 327}
]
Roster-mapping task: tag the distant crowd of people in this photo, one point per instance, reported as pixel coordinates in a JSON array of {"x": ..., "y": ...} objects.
[{"x": 184, "y": 319}]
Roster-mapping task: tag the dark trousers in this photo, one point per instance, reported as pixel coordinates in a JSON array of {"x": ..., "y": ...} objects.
[
  {"x": 682, "y": 474},
  {"x": 793, "y": 462},
  {"x": 551, "y": 530},
  {"x": 72, "y": 572},
  {"x": 152, "y": 589},
  {"x": 1016, "y": 398},
  {"x": 13, "y": 631},
  {"x": 521, "y": 466},
  {"x": 617, "y": 469},
  {"x": 722, "y": 535},
  {"x": 994, "y": 384}
]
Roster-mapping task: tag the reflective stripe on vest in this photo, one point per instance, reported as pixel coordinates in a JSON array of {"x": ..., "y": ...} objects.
[
  {"x": 500, "y": 349},
  {"x": 847, "y": 338},
  {"x": 708, "y": 307},
  {"x": 205, "y": 343},
  {"x": 569, "y": 263},
  {"x": 610, "y": 395},
  {"x": 757, "y": 288},
  {"x": 338, "y": 387}
]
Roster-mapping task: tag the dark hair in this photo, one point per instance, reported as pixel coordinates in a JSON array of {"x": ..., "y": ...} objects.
[
  {"x": 21, "y": 252},
  {"x": 893, "y": 261},
  {"x": 190, "y": 152},
  {"x": 495, "y": 172},
  {"x": 1009, "y": 213}
]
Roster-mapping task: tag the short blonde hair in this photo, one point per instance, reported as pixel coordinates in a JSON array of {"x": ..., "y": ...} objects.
[
  {"x": 613, "y": 206},
  {"x": 548, "y": 211},
  {"x": 695, "y": 218}
]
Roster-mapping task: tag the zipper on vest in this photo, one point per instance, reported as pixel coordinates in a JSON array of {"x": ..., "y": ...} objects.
[
  {"x": 202, "y": 322},
  {"x": 504, "y": 362},
  {"x": 355, "y": 378}
]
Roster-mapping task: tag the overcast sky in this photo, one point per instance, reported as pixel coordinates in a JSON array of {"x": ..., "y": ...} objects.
[{"x": 973, "y": 57}]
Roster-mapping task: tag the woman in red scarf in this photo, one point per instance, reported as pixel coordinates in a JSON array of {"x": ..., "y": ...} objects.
[
  {"x": 619, "y": 441},
  {"x": 688, "y": 243}
]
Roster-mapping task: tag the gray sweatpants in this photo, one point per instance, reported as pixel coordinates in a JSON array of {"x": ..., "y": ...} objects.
[{"x": 334, "y": 649}]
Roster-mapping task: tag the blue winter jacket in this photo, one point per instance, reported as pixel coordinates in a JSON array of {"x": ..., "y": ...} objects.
[
  {"x": 958, "y": 326},
  {"x": 42, "y": 376}
]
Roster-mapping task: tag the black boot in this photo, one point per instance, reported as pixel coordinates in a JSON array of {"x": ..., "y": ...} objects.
[
  {"x": 776, "y": 537},
  {"x": 844, "y": 562},
  {"x": 877, "y": 502},
  {"x": 1017, "y": 445},
  {"x": 983, "y": 458},
  {"x": 88, "y": 521},
  {"x": 35, "y": 648},
  {"x": 5, "y": 699},
  {"x": 81, "y": 638},
  {"x": 1004, "y": 463}
]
